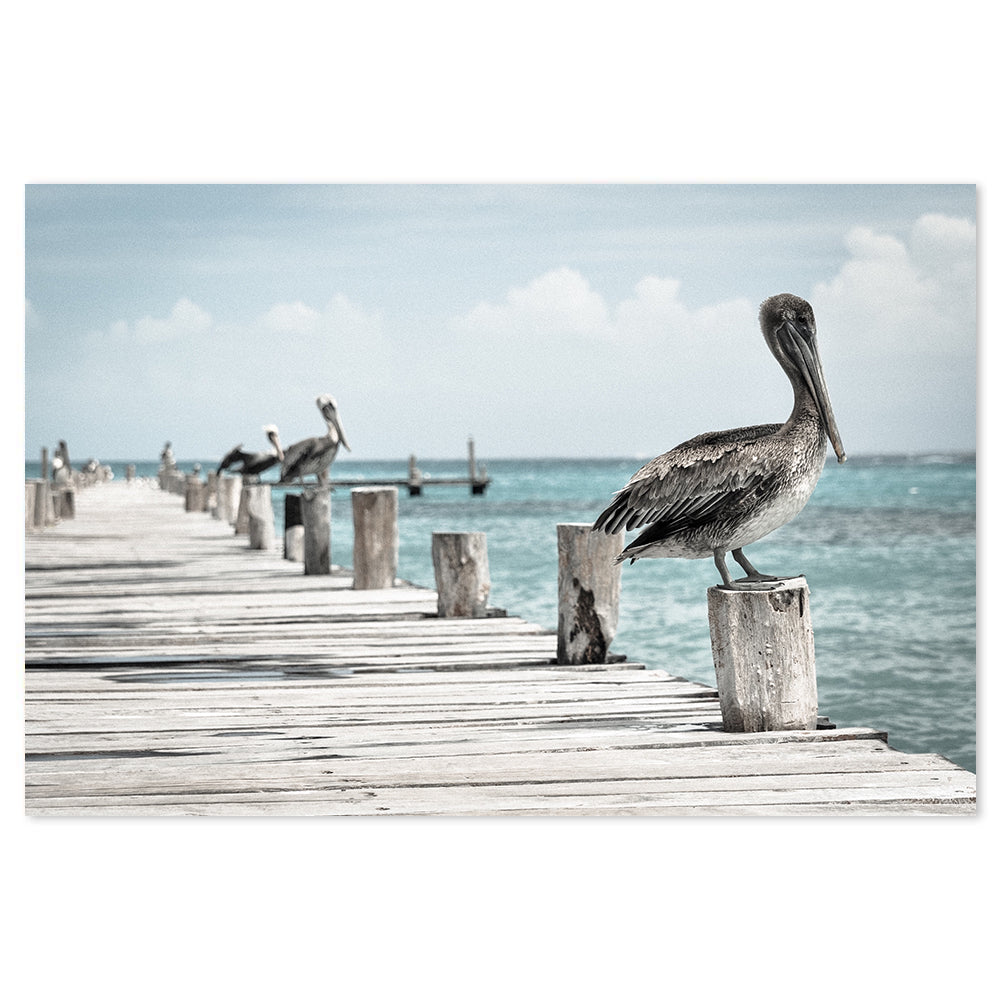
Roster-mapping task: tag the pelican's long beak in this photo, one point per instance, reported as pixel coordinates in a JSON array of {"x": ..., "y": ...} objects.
[
  {"x": 331, "y": 414},
  {"x": 273, "y": 435},
  {"x": 800, "y": 345}
]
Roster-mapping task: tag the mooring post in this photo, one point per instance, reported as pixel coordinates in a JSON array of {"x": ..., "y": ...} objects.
[
  {"x": 294, "y": 528},
  {"x": 315, "y": 508},
  {"x": 30, "y": 486},
  {"x": 589, "y": 593},
  {"x": 212, "y": 493},
  {"x": 260, "y": 517},
  {"x": 192, "y": 492},
  {"x": 241, "y": 526},
  {"x": 376, "y": 536},
  {"x": 229, "y": 488},
  {"x": 415, "y": 478},
  {"x": 765, "y": 660},
  {"x": 43, "y": 513},
  {"x": 461, "y": 573}
]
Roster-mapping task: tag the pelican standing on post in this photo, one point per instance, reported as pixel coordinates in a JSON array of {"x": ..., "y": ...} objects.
[
  {"x": 254, "y": 463},
  {"x": 313, "y": 456},
  {"x": 725, "y": 489}
]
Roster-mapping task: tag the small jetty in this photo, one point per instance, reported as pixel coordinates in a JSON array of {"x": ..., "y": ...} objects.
[
  {"x": 170, "y": 669},
  {"x": 415, "y": 480}
]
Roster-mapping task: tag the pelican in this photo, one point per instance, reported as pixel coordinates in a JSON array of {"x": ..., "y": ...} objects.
[
  {"x": 313, "y": 456},
  {"x": 254, "y": 463},
  {"x": 723, "y": 490}
]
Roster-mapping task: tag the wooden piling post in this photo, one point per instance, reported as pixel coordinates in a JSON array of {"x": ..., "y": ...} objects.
[
  {"x": 765, "y": 661},
  {"x": 229, "y": 490},
  {"x": 42, "y": 514},
  {"x": 260, "y": 517},
  {"x": 130, "y": 473},
  {"x": 212, "y": 493},
  {"x": 315, "y": 508},
  {"x": 589, "y": 593},
  {"x": 461, "y": 573},
  {"x": 241, "y": 526},
  {"x": 193, "y": 493},
  {"x": 376, "y": 536},
  {"x": 30, "y": 486},
  {"x": 295, "y": 531},
  {"x": 415, "y": 478}
]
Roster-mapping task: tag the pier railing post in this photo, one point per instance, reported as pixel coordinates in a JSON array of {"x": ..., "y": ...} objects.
[
  {"x": 241, "y": 526},
  {"x": 260, "y": 517},
  {"x": 229, "y": 489},
  {"x": 461, "y": 573},
  {"x": 589, "y": 593},
  {"x": 295, "y": 531},
  {"x": 315, "y": 508},
  {"x": 376, "y": 536},
  {"x": 765, "y": 661}
]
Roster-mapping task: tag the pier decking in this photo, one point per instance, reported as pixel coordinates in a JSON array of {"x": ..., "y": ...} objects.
[{"x": 171, "y": 670}]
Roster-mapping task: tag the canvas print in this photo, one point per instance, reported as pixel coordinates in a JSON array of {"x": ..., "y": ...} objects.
[{"x": 500, "y": 499}]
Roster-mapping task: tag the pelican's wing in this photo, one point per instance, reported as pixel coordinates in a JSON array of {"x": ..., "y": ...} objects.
[
  {"x": 233, "y": 455},
  {"x": 691, "y": 483}
]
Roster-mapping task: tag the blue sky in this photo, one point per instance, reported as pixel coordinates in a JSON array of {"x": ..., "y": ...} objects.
[{"x": 543, "y": 319}]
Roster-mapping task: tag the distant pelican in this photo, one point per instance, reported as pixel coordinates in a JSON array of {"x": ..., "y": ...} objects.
[
  {"x": 725, "y": 489},
  {"x": 313, "y": 456},
  {"x": 254, "y": 463}
]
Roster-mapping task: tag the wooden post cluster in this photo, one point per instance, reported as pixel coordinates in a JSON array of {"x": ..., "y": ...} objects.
[
  {"x": 589, "y": 593},
  {"x": 765, "y": 661},
  {"x": 461, "y": 573},
  {"x": 376, "y": 536}
]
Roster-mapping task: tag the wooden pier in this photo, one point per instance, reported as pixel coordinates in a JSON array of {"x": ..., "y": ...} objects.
[
  {"x": 415, "y": 481},
  {"x": 172, "y": 670}
]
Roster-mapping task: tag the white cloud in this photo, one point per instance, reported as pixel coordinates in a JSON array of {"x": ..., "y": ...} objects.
[
  {"x": 561, "y": 303},
  {"x": 291, "y": 318},
  {"x": 917, "y": 294},
  {"x": 186, "y": 320},
  {"x": 557, "y": 303}
]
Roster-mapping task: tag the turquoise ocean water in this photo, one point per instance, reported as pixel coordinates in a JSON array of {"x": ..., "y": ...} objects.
[{"x": 887, "y": 544}]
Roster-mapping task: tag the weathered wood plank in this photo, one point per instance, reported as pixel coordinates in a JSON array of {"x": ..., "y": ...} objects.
[{"x": 170, "y": 670}]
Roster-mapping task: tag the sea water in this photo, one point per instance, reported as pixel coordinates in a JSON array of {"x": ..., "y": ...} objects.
[{"x": 887, "y": 544}]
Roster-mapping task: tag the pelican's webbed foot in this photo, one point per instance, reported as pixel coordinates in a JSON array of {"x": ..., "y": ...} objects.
[{"x": 754, "y": 580}]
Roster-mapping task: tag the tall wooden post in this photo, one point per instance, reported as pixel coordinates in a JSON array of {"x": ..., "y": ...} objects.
[
  {"x": 376, "y": 536},
  {"x": 315, "y": 507},
  {"x": 241, "y": 526},
  {"x": 30, "y": 486},
  {"x": 461, "y": 573},
  {"x": 260, "y": 517},
  {"x": 589, "y": 593},
  {"x": 192, "y": 493},
  {"x": 414, "y": 478},
  {"x": 294, "y": 528},
  {"x": 229, "y": 489},
  {"x": 765, "y": 661}
]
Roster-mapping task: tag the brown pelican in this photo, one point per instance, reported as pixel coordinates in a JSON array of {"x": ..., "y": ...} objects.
[
  {"x": 254, "y": 463},
  {"x": 313, "y": 456},
  {"x": 725, "y": 489}
]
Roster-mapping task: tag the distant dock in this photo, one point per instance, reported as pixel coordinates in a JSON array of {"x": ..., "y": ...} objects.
[
  {"x": 415, "y": 481},
  {"x": 172, "y": 670}
]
